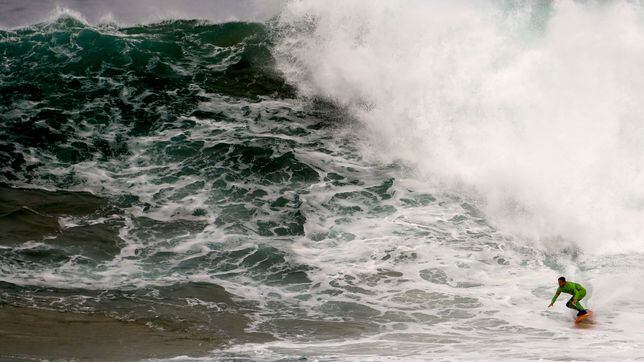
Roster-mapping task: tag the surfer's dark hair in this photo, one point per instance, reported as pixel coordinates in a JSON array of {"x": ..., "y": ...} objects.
[{"x": 561, "y": 279}]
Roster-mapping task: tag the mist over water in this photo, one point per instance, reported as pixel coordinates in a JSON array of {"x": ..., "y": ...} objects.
[
  {"x": 530, "y": 108},
  {"x": 362, "y": 180}
]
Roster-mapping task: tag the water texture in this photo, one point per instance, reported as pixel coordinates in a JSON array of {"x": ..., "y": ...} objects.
[{"x": 360, "y": 180}]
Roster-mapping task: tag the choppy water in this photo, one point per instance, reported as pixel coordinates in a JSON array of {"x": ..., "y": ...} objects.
[{"x": 355, "y": 180}]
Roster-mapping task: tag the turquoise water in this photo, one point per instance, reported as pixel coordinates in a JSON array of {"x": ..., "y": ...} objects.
[{"x": 332, "y": 189}]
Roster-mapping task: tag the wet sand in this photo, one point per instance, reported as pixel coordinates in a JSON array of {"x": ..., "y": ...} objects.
[{"x": 34, "y": 334}]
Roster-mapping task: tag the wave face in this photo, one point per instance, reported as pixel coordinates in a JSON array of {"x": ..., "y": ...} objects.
[
  {"x": 348, "y": 181},
  {"x": 530, "y": 108}
]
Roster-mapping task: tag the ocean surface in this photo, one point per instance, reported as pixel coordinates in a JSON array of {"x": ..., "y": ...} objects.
[{"x": 351, "y": 180}]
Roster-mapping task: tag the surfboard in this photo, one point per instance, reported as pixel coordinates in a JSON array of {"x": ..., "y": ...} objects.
[{"x": 582, "y": 317}]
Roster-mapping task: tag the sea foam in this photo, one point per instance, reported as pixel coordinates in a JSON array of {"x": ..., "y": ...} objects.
[{"x": 530, "y": 108}]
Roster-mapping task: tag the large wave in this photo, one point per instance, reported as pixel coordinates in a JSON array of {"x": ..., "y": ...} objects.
[
  {"x": 531, "y": 108},
  {"x": 188, "y": 188}
]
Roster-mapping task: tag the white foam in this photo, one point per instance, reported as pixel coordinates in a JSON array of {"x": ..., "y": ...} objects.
[{"x": 532, "y": 109}]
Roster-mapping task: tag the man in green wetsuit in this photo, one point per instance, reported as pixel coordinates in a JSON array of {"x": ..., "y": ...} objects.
[{"x": 578, "y": 292}]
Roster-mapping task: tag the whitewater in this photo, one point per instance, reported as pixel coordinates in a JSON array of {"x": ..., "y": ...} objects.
[{"x": 338, "y": 180}]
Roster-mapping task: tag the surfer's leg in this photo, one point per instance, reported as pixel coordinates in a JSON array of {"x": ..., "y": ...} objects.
[
  {"x": 581, "y": 296},
  {"x": 580, "y": 309},
  {"x": 576, "y": 307}
]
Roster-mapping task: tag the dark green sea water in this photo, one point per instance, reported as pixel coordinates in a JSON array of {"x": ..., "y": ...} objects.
[
  {"x": 142, "y": 167},
  {"x": 166, "y": 112}
]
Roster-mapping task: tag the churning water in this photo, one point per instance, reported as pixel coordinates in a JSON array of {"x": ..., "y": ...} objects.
[{"x": 347, "y": 180}]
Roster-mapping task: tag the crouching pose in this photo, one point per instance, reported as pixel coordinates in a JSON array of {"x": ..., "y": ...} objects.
[{"x": 576, "y": 290}]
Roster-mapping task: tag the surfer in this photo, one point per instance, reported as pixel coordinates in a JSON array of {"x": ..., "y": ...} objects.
[{"x": 578, "y": 293}]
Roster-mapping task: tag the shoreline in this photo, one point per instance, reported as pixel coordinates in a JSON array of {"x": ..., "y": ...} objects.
[{"x": 35, "y": 334}]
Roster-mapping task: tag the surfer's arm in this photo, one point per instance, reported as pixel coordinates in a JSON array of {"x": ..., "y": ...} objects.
[{"x": 554, "y": 299}]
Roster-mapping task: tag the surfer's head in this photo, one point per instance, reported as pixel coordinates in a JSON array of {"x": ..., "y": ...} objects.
[{"x": 562, "y": 281}]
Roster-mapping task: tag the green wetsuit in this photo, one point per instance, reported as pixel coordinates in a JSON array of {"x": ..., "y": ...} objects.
[{"x": 578, "y": 293}]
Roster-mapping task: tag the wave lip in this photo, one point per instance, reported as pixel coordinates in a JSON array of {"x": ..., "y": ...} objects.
[{"x": 17, "y": 14}]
